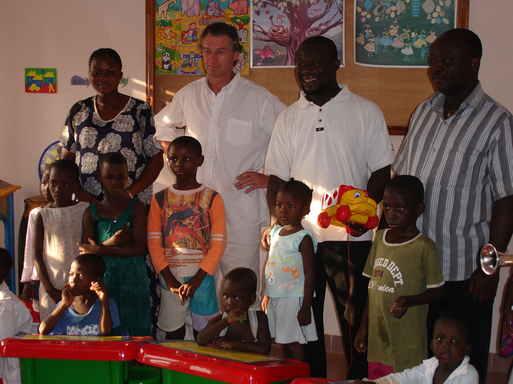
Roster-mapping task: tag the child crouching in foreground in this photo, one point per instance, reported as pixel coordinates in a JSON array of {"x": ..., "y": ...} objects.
[
  {"x": 238, "y": 327},
  {"x": 85, "y": 308},
  {"x": 450, "y": 364}
]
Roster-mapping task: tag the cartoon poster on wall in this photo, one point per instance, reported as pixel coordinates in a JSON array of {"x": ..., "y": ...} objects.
[
  {"x": 179, "y": 24},
  {"x": 399, "y": 33},
  {"x": 280, "y": 26},
  {"x": 40, "y": 80}
]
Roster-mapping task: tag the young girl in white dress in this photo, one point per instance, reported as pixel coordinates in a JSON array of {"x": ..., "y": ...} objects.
[
  {"x": 58, "y": 230},
  {"x": 290, "y": 272}
]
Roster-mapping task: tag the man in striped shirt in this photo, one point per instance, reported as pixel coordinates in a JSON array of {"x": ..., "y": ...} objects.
[{"x": 459, "y": 143}]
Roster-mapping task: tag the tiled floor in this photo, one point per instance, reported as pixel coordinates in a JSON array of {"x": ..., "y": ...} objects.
[{"x": 337, "y": 364}]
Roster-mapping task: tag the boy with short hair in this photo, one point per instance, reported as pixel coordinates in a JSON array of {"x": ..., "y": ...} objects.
[
  {"x": 239, "y": 327},
  {"x": 450, "y": 364},
  {"x": 186, "y": 239},
  {"x": 14, "y": 318},
  {"x": 85, "y": 308},
  {"x": 405, "y": 276}
]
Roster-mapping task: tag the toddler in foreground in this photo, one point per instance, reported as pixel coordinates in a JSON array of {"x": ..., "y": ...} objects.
[
  {"x": 239, "y": 327},
  {"x": 85, "y": 308},
  {"x": 290, "y": 272},
  {"x": 450, "y": 364}
]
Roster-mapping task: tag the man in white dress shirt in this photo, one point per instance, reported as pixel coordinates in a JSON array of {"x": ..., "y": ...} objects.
[{"x": 233, "y": 119}]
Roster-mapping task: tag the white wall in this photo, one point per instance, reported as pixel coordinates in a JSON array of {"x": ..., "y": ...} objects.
[
  {"x": 61, "y": 34},
  {"x": 490, "y": 19},
  {"x": 57, "y": 34}
]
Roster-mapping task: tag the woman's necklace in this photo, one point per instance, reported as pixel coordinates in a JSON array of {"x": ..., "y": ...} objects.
[{"x": 449, "y": 113}]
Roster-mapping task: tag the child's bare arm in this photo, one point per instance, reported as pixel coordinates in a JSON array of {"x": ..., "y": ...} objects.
[
  {"x": 137, "y": 245},
  {"x": 27, "y": 291},
  {"x": 105, "y": 316},
  {"x": 215, "y": 325},
  {"x": 360, "y": 342},
  {"x": 307, "y": 252},
  {"x": 264, "y": 335},
  {"x": 88, "y": 225},
  {"x": 87, "y": 244},
  {"x": 402, "y": 303},
  {"x": 264, "y": 303},
  {"x": 263, "y": 345},
  {"x": 119, "y": 238},
  {"x": 49, "y": 323},
  {"x": 39, "y": 263}
]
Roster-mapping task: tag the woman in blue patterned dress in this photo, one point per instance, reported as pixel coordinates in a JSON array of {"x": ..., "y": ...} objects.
[{"x": 113, "y": 122}]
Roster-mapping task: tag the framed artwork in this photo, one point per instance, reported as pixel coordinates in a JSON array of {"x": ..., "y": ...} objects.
[
  {"x": 178, "y": 26},
  {"x": 279, "y": 27},
  {"x": 40, "y": 80},
  {"x": 399, "y": 33}
]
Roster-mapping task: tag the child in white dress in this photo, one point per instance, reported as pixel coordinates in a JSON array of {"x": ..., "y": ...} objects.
[
  {"x": 58, "y": 230},
  {"x": 290, "y": 272}
]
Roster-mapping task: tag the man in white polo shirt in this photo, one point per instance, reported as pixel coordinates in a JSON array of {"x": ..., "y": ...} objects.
[{"x": 330, "y": 137}]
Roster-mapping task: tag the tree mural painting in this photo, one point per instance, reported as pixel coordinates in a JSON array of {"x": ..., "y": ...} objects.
[{"x": 280, "y": 26}]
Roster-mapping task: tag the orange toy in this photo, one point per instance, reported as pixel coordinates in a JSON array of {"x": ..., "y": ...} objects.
[{"x": 344, "y": 204}]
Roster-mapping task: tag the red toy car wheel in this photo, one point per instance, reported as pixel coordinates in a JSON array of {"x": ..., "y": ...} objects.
[
  {"x": 323, "y": 220},
  {"x": 343, "y": 214}
]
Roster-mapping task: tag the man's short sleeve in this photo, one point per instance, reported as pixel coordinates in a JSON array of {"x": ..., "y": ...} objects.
[
  {"x": 170, "y": 117},
  {"x": 279, "y": 157}
]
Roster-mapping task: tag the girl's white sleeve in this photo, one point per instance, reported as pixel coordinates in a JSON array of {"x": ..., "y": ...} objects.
[{"x": 29, "y": 272}]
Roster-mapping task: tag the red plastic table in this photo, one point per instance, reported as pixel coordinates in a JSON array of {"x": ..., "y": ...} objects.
[
  {"x": 184, "y": 362},
  {"x": 72, "y": 359}
]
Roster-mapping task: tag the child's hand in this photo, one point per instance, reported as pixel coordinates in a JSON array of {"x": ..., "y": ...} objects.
[
  {"x": 82, "y": 195},
  {"x": 400, "y": 307},
  {"x": 92, "y": 247},
  {"x": 185, "y": 291},
  {"x": 235, "y": 315},
  {"x": 121, "y": 237},
  {"x": 100, "y": 289},
  {"x": 355, "y": 229},
  {"x": 188, "y": 288},
  {"x": 27, "y": 291},
  {"x": 304, "y": 316},
  {"x": 66, "y": 296},
  {"x": 359, "y": 340},
  {"x": 265, "y": 242},
  {"x": 223, "y": 342},
  {"x": 264, "y": 303}
]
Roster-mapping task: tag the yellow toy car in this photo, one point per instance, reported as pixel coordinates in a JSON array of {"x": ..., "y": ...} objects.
[{"x": 346, "y": 203}]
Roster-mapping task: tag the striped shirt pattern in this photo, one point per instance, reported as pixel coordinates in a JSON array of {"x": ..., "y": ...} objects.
[{"x": 465, "y": 163}]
